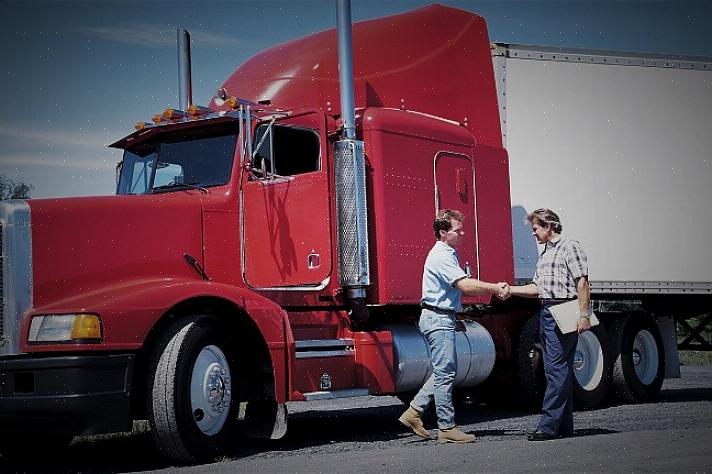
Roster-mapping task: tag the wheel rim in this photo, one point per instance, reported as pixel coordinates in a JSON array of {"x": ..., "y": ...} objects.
[
  {"x": 210, "y": 390},
  {"x": 645, "y": 357},
  {"x": 588, "y": 361}
]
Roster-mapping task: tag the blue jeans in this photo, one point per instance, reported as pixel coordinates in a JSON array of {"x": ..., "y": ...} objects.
[
  {"x": 558, "y": 352},
  {"x": 439, "y": 332}
]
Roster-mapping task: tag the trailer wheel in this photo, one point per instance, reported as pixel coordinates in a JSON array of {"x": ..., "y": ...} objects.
[
  {"x": 191, "y": 411},
  {"x": 591, "y": 368},
  {"x": 530, "y": 364},
  {"x": 639, "y": 365}
]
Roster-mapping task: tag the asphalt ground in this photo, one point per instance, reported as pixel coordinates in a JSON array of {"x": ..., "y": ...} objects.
[{"x": 673, "y": 434}]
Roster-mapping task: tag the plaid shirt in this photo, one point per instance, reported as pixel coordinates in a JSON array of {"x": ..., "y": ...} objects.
[{"x": 558, "y": 267}]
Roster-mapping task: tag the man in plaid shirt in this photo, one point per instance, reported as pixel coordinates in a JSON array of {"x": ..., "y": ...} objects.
[{"x": 561, "y": 275}]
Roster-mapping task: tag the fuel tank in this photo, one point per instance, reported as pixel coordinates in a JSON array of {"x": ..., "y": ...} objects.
[{"x": 411, "y": 356}]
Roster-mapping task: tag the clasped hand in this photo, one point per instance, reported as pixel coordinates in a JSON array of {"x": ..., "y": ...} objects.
[{"x": 504, "y": 291}]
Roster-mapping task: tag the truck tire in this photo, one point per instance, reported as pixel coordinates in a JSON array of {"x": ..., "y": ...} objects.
[
  {"x": 191, "y": 410},
  {"x": 591, "y": 368},
  {"x": 639, "y": 358},
  {"x": 530, "y": 365}
]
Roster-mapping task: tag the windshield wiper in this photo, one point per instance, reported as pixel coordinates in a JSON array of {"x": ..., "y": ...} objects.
[{"x": 171, "y": 186}]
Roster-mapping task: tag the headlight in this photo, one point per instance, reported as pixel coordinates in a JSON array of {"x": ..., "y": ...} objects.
[{"x": 65, "y": 328}]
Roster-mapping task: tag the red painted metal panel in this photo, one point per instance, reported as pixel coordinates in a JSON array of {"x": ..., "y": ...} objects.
[
  {"x": 289, "y": 220},
  {"x": 434, "y": 60},
  {"x": 401, "y": 148},
  {"x": 308, "y": 372},
  {"x": 80, "y": 245},
  {"x": 454, "y": 177},
  {"x": 374, "y": 361},
  {"x": 286, "y": 222},
  {"x": 494, "y": 214}
]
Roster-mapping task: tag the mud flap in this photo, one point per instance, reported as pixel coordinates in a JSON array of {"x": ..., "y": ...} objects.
[{"x": 265, "y": 419}]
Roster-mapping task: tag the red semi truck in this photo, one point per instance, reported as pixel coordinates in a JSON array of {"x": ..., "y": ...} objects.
[{"x": 268, "y": 248}]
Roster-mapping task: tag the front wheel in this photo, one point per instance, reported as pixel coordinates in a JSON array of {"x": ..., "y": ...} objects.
[
  {"x": 192, "y": 410},
  {"x": 639, "y": 365},
  {"x": 591, "y": 368}
]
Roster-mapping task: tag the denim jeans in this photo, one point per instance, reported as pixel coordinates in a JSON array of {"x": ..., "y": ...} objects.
[
  {"x": 439, "y": 332},
  {"x": 558, "y": 352}
]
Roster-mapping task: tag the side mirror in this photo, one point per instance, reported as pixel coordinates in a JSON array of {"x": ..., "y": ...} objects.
[{"x": 119, "y": 166}]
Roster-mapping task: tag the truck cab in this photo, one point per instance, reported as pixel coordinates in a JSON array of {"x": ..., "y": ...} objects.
[{"x": 219, "y": 283}]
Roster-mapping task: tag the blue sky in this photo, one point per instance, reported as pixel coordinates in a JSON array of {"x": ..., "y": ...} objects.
[{"x": 76, "y": 76}]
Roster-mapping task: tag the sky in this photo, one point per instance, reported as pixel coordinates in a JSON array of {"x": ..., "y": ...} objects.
[{"x": 76, "y": 76}]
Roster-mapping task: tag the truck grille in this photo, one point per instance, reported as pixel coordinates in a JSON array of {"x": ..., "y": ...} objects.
[
  {"x": 15, "y": 272},
  {"x": 2, "y": 282}
]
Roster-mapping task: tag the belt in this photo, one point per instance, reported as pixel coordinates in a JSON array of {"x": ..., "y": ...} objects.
[
  {"x": 554, "y": 301},
  {"x": 437, "y": 309}
]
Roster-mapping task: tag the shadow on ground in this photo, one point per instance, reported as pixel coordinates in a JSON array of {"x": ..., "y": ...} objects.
[{"x": 308, "y": 429}]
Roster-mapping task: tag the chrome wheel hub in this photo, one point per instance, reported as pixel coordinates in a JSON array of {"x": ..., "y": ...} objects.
[{"x": 210, "y": 390}]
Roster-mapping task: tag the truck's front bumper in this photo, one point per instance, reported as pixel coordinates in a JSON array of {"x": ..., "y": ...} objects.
[{"x": 66, "y": 395}]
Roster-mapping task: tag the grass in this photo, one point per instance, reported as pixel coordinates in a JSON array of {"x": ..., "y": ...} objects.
[{"x": 695, "y": 358}]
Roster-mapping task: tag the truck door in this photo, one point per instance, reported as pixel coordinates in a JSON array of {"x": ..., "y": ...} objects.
[
  {"x": 287, "y": 225},
  {"x": 455, "y": 189}
]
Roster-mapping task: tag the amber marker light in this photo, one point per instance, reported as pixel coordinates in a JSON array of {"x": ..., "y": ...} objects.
[
  {"x": 232, "y": 102},
  {"x": 195, "y": 111},
  {"x": 86, "y": 326},
  {"x": 141, "y": 125},
  {"x": 173, "y": 114},
  {"x": 158, "y": 118}
]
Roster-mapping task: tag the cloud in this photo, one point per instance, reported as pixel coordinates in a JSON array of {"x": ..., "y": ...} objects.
[
  {"x": 62, "y": 138},
  {"x": 156, "y": 35},
  {"x": 54, "y": 149},
  {"x": 22, "y": 162}
]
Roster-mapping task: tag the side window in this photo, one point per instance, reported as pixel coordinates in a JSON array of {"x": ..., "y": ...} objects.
[
  {"x": 167, "y": 174},
  {"x": 287, "y": 151},
  {"x": 263, "y": 155}
]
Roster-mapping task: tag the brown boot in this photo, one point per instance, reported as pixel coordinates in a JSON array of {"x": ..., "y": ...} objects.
[
  {"x": 411, "y": 419},
  {"x": 454, "y": 435}
]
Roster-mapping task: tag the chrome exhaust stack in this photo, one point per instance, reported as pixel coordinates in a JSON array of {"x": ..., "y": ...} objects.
[
  {"x": 350, "y": 171},
  {"x": 185, "y": 86}
]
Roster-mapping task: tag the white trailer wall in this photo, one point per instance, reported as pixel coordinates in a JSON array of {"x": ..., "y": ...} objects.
[{"x": 623, "y": 153}]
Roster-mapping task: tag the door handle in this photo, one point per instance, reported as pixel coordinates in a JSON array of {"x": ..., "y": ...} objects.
[{"x": 313, "y": 261}]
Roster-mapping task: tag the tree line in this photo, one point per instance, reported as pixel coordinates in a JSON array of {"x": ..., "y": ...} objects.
[{"x": 11, "y": 189}]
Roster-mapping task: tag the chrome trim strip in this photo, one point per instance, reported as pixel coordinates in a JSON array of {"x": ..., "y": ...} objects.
[
  {"x": 601, "y": 56},
  {"x": 329, "y": 395},
  {"x": 318, "y": 287},
  {"x": 652, "y": 287},
  {"x": 317, "y": 354},
  {"x": 643, "y": 287},
  {"x": 308, "y": 343}
]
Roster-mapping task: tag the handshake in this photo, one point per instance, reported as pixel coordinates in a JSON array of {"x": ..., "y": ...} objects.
[{"x": 503, "y": 291}]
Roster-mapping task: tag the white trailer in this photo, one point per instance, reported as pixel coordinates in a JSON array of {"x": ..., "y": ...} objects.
[{"x": 620, "y": 146}]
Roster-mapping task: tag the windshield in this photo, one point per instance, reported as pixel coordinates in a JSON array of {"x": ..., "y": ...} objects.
[{"x": 178, "y": 160}]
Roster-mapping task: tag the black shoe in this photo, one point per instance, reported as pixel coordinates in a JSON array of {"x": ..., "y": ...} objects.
[{"x": 539, "y": 435}]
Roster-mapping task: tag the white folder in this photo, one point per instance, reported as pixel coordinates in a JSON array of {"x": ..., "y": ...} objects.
[{"x": 567, "y": 316}]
